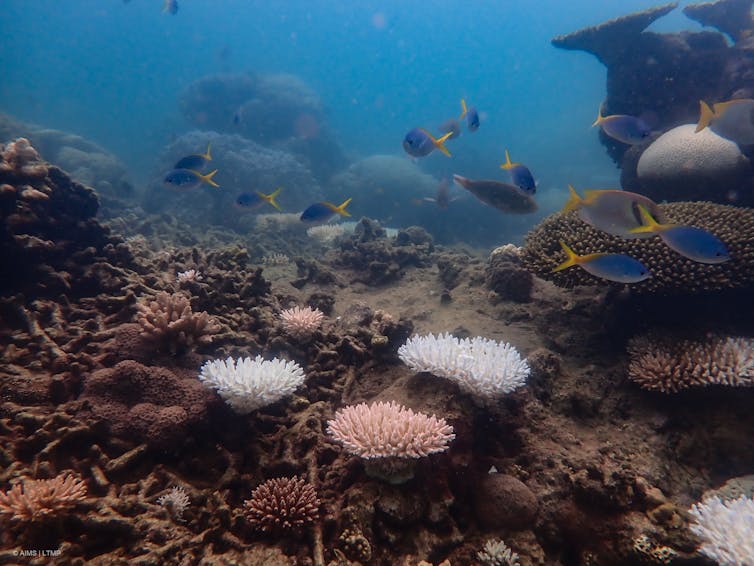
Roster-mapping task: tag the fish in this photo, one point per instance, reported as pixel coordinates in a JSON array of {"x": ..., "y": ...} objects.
[
  {"x": 188, "y": 178},
  {"x": 471, "y": 115},
  {"x": 452, "y": 127},
  {"x": 321, "y": 212},
  {"x": 502, "y": 196},
  {"x": 257, "y": 199},
  {"x": 170, "y": 6},
  {"x": 420, "y": 143},
  {"x": 733, "y": 120},
  {"x": 619, "y": 268},
  {"x": 194, "y": 161},
  {"x": 613, "y": 211},
  {"x": 691, "y": 242},
  {"x": 443, "y": 194},
  {"x": 624, "y": 128},
  {"x": 520, "y": 175}
]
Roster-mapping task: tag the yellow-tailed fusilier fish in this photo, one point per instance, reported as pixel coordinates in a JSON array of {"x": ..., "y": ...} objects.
[
  {"x": 689, "y": 241},
  {"x": 624, "y": 128},
  {"x": 188, "y": 178},
  {"x": 195, "y": 160},
  {"x": 613, "y": 211},
  {"x": 418, "y": 142},
  {"x": 257, "y": 199},
  {"x": 520, "y": 175},
  {"x": 502, "y": 196},
  {"x": 612, "y": 267},
  {"x": 321, "y": 212},
  {"x": 733, "y": 120},
  {"x": 471, "y": 115}
]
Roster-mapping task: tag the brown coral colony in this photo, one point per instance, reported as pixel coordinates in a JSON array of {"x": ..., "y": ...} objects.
[{"x": 282, "y": 504}]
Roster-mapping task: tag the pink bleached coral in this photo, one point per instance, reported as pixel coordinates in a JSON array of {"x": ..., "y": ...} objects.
[
  {"x": 385, "y": 430},
  {"x": 301, "y": 322},
  {"x": 32, "y": 500}
]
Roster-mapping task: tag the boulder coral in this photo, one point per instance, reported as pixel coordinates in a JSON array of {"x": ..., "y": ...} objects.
[{"x": 671, "y": 273}]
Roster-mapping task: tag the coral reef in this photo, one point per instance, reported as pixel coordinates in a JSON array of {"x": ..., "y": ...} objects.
[
  {"x": 671, "y": 273},
  {"x": 668, "y": 365},
  {"x": 84, "y": 160},
  {"x": 496, "y": 553},
  {"x": 282, "y": 504}
]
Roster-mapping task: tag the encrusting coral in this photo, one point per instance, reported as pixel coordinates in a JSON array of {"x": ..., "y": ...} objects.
[
  {"x": 33, "y": 500},
  {"x": 168, "y": 321},
  {"x": 282, "y": 504},
  {"x": 671, "y": 273},
  {"x": 668, "y": 365}
]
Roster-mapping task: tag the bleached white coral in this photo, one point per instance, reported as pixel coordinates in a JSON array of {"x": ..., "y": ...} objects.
[
  {"x": 485, "y": 368},
  {"x": 326, "y": 233},
  {"x": 176, "y": 501},
  {"x": 276, "y": 259},
  {"x": 725, "y": 528},
  {"x": 497, "y": 553},
  {"x": 188, "y": 275},
  {"x": 247, "y": 385}
]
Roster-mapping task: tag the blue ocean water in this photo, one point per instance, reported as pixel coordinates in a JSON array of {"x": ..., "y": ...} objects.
[{"x": 113, "y": 71}]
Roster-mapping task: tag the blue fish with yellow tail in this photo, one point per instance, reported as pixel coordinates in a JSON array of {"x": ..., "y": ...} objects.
[
  {"x": 257, "y": 199},
  {"x": 195, "y": 161},
  {"x": 420, "y": 143},
  {"x": 189, "y": 179},
  {"x": 612, "y": 267},
  {"x": 693, "y": 243},
  {"x": 471, "y": 115},
  {"x": 520, "y": 175},
  {"x": 321, "y": 212},
  {"x": 624, "y": 128}
]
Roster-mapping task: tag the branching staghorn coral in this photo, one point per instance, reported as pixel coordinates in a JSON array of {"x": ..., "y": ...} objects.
[
  {"x": 666, "y": 365},
  {"x": 32, "y": 500},
  {"x": 168, "y": 321}
]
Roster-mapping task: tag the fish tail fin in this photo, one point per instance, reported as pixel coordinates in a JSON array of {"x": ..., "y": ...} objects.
[
  {"x": 207, "y": 154},
  {"x": 648, "y": 223},
  {"x": 208, "y": 178},
  {"x": 507, "y": 164},
  {"x": 571, "y": 260},
  {"x": 574, "y": 200},
  {"x": 440, "y": 143},
  {"x": 600, "y": 117},
  {"x": 271, "y": 198},
  {"x": 464, "y": 109},
  {"x": 706, "y": 114},
  {"x": 342, "y": 208}
]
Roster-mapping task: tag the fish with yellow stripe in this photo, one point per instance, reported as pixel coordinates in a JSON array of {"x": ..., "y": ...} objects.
[{"x": 619, "y": 268}]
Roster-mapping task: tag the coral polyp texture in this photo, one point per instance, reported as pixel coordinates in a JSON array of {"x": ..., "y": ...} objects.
[
  {"x": 671, "y": 273},
  {"x": 389, "y": 430},
  {"x": 485, "y": 368},
  {"x": 176, "y": 501},
  {"x": 300, "y": 322},
  {"x": 168, "y": 321},
  {"x": 725, "y": 528},
  {"x": 33, "y": 500},
  {"x": 247, "y": 385},
  {"x": 282, "y": 504},
  {"x": 667, "y": 365}
]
